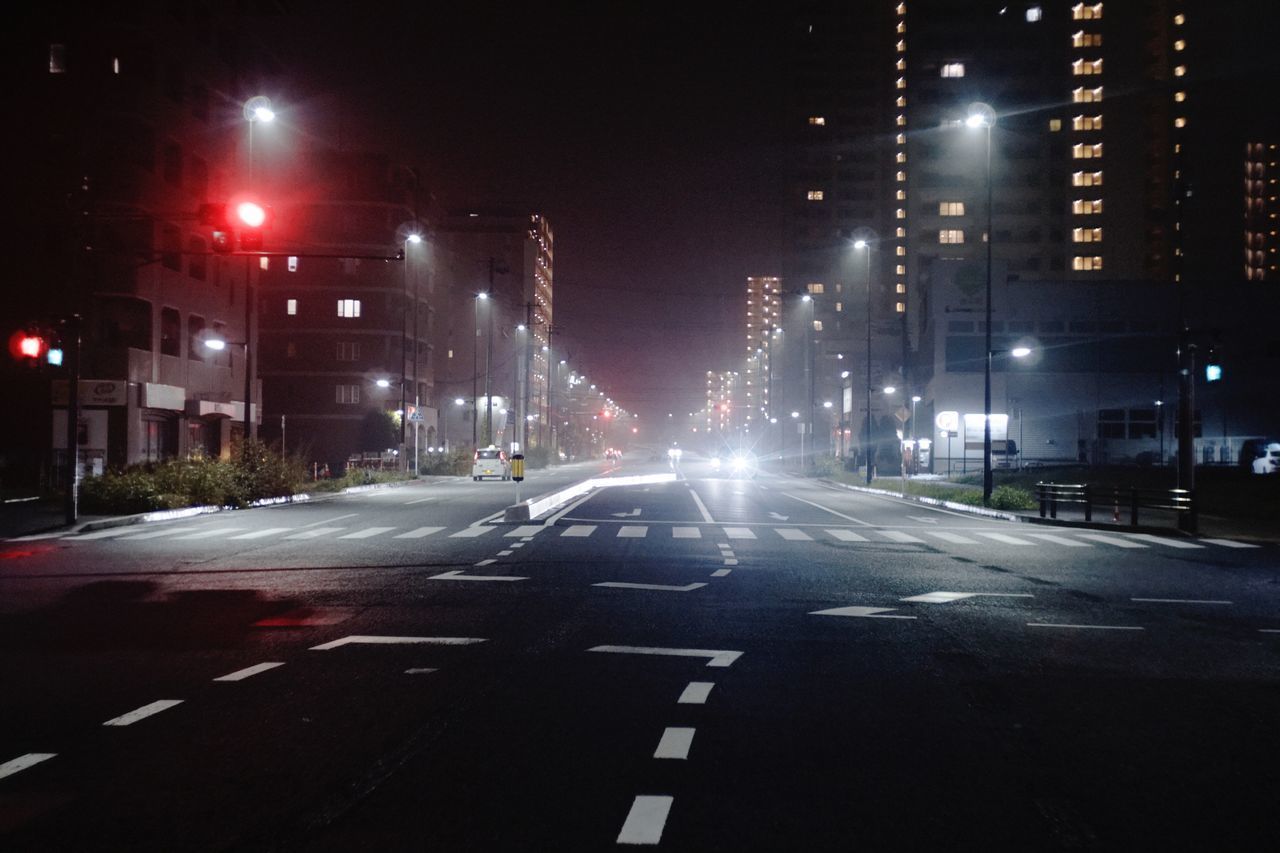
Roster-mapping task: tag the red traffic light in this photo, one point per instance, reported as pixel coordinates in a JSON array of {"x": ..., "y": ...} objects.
[
  {"x": 251, "y": 214},
  {"x": 245, "y": 219},
  {"x": 27, "y": 346}
]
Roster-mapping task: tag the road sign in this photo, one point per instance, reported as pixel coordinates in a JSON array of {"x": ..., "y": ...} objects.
[
  {"x": 415, "y": 414},
  {"x": 517, "y": 467},
  {"x": 902, "y": 414}
]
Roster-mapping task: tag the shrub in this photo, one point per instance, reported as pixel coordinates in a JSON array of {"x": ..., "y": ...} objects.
[
  {"x": 456, "y": 463},
  {"x": 1011, "y": 498},
  {"x": 822, "y": 466}
]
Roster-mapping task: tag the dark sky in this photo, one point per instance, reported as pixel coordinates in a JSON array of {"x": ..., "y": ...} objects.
[{"x": 647, "y": 133}]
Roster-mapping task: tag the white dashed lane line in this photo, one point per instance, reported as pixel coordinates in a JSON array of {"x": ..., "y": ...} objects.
[
  {"x": 646, "y": 820},
  {"x": 143, "y": 712},
  {"x": 676, "y": 743},
  {"x": 22, "y": 762},
  {"x": 249, "y": 671},
  {"x": 696, "y": 693}
]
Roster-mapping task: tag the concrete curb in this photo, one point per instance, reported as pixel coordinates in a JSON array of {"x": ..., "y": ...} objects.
[{"x": 919, "y": 499}]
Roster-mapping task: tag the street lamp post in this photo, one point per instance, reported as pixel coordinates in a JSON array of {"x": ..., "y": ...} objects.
[
  {"x": 863, "y": 244},
  {"x": 983, "y": 116},
  {"x": 256, "y": 109},
  {"x": 807, "y": 426},
  {"x": 404, "y": 354},
  {"x": 475, "y": 372},
  {"x": 915, "y": 398}
]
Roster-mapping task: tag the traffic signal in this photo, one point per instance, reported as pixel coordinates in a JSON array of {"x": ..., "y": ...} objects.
[
  {"x": 1212, "y": 367},
  {"x": 251, "y": 219},
  {"x": 28, "y": 346},
  {"x": 245, "y": 219}
]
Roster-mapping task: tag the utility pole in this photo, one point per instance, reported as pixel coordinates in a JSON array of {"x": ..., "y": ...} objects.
[
  {"x": 528, "y": 360},
  {"x": 551, "y": 387}
]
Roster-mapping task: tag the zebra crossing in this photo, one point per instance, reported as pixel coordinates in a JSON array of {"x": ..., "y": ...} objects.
[{"x": 767, "y": 534}]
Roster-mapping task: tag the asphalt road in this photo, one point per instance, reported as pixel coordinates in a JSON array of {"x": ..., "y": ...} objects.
[{"x": 697, "y": 664}]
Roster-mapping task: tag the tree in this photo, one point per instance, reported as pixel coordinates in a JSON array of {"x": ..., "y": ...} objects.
[{"x": 378, "y": 431}]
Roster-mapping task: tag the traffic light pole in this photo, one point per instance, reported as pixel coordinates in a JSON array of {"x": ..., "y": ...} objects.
[{"x": 71, "y": 497}]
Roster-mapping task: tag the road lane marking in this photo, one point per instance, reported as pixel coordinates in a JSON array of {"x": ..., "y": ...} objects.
[
  {"x": 525, "y": 530},
  {"x": 847, "y": 535},
  {"x": 898, "y": 536},
  {"x": 730, "y": 561},
  {"x": 142, "y": 713},
  {"x": 718, "y": 657},
  {"x": 954, "y": 538},
  {"x": 633, "y": 531},
  {"x": 208, "y": 534},
  {"x": 315, "y": 533},
  {"x": 156, "y": 534},
  {"x": 367, "y": 639},
  {"x": 793, "y": 535},
  {"x": 456, "y": 575},
  {"x": 263, "y": 534},
  {"x": 579, "y": 530},
  {"x": 22, "y": 762},
  {"x": 329, "y": 520},
  {"x": 1269, "y": 630},
  {"x": 1161, "y": 540},
  {"x": 862, "y": 612},
  {"x": 1059, "y": 540},
  {"x": 517, "y": 544},
  {"x": 418, "y": 533},
  {"x": 689, "y": 587},
  {"x": 1229, "y": 543},
  {"x": 471, "y": 532},
  {"x": 686, "y": 533},
  {"x": 696, "y": 693},
  {"x": 944, "y": 597},
  {"x": 1181, "y": 601},
  {"x": 721, "y": 573},
  {"x": 1087, "y": 627},
  {"x": 646, "y": 820},
  {"x": 505, "y": 553},
  {"x": 249, "y": 671},
  {"x": 1002, "y": 537},
  {"x": 419, "y": 670},
  {"x": 367, "y": 533},
  {"x": 675, "y": 743},
  {"x": 827, "y": 509},
  {"x": 1111, "y": 540},
  {"x": 421, "y": 501},
  {"x": 702, "y": 508},
  {"x": 103, "y": 534},
  {"x": 739, "y": 533},
  {"x": 488, "y": 562}
]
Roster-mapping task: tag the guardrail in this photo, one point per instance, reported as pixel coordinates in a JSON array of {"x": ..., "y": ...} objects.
[{"x": 1179, "y": 501}]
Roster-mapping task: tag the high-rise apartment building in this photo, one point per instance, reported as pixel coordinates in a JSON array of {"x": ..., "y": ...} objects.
[
  {"x": 1261, "y": 211},
  {"x": 764, "y": 319}
]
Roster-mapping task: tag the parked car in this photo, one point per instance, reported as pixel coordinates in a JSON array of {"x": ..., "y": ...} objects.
[{"x": 490, "y": 462}]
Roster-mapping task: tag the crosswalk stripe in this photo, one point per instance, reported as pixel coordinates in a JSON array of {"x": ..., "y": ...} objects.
[
  {"x": 1003, "y": 537},
  {"x": 579, "y": 530},
  {"x": 314, "y": 533},
  {"x": 1111, "y": 540},
  {"x": 526, "y": 530},
  {"x": 686, "y": 533},
  {"x": 470, "y": 532},
  {"x": 209, "y": 534},
  {"x": 1229, "y": 543},
  {"x": 899, "y": 536},
  {"x": 633, "y": 531},
  {"x": 156, "y": 534},
  {"x": 1060, "y": 540},
  {"x": 1160, "y": 540},
  {"x": 418, "y": 533},
  {"x": 954, "y": 538},
  {"x": 367, "y": 533},
  {"x": 103, "y": 534},
  {"x": 846, "y": 535},
  {"x": 793, "y": 535},
  {"x": 739, "y": 533},
  {"x": 263, "y": 534}
]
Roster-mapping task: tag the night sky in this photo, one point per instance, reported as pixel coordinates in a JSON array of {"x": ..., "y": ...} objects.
[{"x": 649, "y": 135}]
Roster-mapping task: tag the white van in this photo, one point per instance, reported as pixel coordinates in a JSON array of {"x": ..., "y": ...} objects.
[{"x": 490, "y": 462}]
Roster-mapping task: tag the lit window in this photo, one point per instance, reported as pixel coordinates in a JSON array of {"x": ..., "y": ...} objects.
[
  {"x": 815, "y": 195},
  {"x": 902, "y": 27},
  {"x": 1180, "y": 121},
  {"x": 1086, "y": 179},
  {"x": 901, "y": 176},
  {"x": 900, "y": 213},
  {"x": 900, "y": 288},
  {"x": 57, "y": 59},
  {"x": 1086, "y": 263},
  {"x": 901, "y": 195},
  {"x": 951, "y": 235},
  {"x": 348, "y": 307},
  {"x": 347, "y": 394},
  {"x": 900, "y": 307},
  {"x": 1179, "y": 19},
  {"x": 1086, "y": 235},
  {"x": 902, "y": 121},
  {"x": 1179, "y": 96},
  {"x": 816, "y": 288},
  {"x": 1055, "y": 125},
  {"x": 900, "y": 232},
  {"x": 953, "y": 69},
  {"x": 1083, "y": 39},
  {"x": 839, "y": 307},
  {"x": 901, "y": 65},
  {"x": 901, "y": 102},
  {"x": 1083, "y": 12},
  {"x": 902, "y": 46},
  {"x": 817, "y": 325},
  {"x": 1086, "y": 123},
  {"x": 900, "y": 269},
  {"x": 1086, "y": 96},
  {"x": 293, "y": 263},
  {"x": 291, "y": 307},
  {"x": 817, "y": 121},
  {"x": 901, "y": 251},
  {"x": 1086, "y": 67},
  {"x": 1086, "y": 207},
  {"x": 1180, "y": 44},
  {"x": 1081, "y": 151},
  {"x": 902, "y": 83},
  {"x": 901, "y": 139},
  {"x": 1180, "y": 71},
  {"x": 264, "y": 263},
  {"x": 901, "y": 9},
  {"x": 1034, "y": 14},
  {"x": 900, "y": 157},
  {"x": 951, "y": 208}
]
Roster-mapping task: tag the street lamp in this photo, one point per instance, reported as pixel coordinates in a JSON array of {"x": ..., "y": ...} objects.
[
  {"x": 475, "y": 372},
  {"x": 412, "y": 238},
  {"x": 983, "y": 116},
  {"x": 807, "y": 426},
  {"x": 862, "y": 243}
]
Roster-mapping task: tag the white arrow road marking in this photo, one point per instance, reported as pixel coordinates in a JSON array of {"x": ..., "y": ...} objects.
[
  {"x": 143, "y": 712},
  {"x": 646, "y": 820},
  {"x": 22, "y": 762},
  {"x": 675, "y": 743},
  {"x": 366, "y": 639},
  {"x": 865, "y": 612},
  {"x": 779, "y": 516},
  {"x": 923, "y": 519},
  {"x": 249, "y": 671},
  {"x": 456, "y": 575},
  {"x": 944, "y": 597},
  {"x": 633, "y": 514},
  {"x": 689, "y": 587},
  {"x": 696, "y": 693},
  {"x": 718, "y": 657}
]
